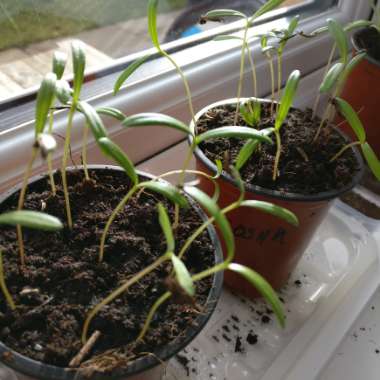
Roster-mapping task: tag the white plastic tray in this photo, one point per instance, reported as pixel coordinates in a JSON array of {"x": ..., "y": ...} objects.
[{"x": 334, "y": 280}]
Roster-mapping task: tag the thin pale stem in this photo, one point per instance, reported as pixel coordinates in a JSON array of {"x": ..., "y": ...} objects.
[
  {"x": 84, "y": 151},
  {"x": 253, "y": 70},
  {"x": 279, "y": 79},
  {"x": 21, "y": 201},
  {"x": 151, "y": 313},
  {"x": 241, "y": 74},
  {"x": 119, "y": 291},
  {"x": 3, "y": 285},
  {"x": 348, "y": 146},
  {"x": 117, "y": 209},
  {"x": 324, "y": 118},
  {"x": 278, "y": 154},
  {"x": 49, "y": 157},
  {"x": 327, "y": 68},
  {"x": 271, "y": 69},
  {"x": 64, "y": 165}
]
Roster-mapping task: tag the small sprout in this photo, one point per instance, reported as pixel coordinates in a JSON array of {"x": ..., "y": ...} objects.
[
  {"x": 263, "y": 287},
  {"x": 46, "y": 143},
  {"x": 251, "y": 112},
  {"x": 183, "y": 276},
  {"x": 340, "y": 37},
  {"x": 79, "y": 64},
  {"x": 59, "y": 63}
]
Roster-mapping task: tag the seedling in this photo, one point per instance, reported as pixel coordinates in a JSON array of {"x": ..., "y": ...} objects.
[{"x": 28, "y": 219}]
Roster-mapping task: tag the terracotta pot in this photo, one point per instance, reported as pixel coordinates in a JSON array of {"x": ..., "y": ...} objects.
[
  {"x": 270, "y": 246},
  {"x": 362, "y": 91},
  {"x": 18, "y": 367}
]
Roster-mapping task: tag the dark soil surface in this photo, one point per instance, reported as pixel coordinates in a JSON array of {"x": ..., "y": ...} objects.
[
  {"x": 63, "y": 279},
  {"x": 369, "y": 40},
  {"x": 305, "y": 167}
]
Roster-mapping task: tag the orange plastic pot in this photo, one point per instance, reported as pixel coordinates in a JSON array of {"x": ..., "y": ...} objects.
[
  {"x": 265, "y": 243},
  {"x": 362, "y": 91}
]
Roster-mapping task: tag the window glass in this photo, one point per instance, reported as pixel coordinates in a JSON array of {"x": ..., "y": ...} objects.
[{"x": 31, "y": 30}]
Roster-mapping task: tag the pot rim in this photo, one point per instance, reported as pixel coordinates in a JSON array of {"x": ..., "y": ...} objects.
[
  {"x": 39, "y": 370},
  {"x": 295, "y": 197},
  {"x": 357, "y": 48}
]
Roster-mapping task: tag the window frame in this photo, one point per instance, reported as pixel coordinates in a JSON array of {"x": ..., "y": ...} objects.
[{"x": 216, "y": 61}]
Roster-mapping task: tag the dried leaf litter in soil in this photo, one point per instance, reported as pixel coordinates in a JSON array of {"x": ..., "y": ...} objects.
[{"x": 64, "y": 269}]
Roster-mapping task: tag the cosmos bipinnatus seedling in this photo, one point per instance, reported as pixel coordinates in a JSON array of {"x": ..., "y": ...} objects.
[{"x": 29, "y": 219}]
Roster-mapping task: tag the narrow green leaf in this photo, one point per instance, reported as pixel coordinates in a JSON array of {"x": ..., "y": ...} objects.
[
  {"x": 166, "y": 227},
  {"x": 332, "y": 77},
  {"x": 167, "y": 190},
  {"x": 263, "y": 287},
  {"x": 31, "y": 219},
  {"x": 340, "y": 37},
  {"x": 212, "y": 208},
  {"x": 217, "y": 14},
  {"x": 358, "y": 24},
  {"x": 372, "y": 160},
  {"x": 267, "y": 7},
  {"x": 183, "y": 276},
  {"x": 225, "y": 37},
  {"x": 112, "y": 150},
  {"x": 245, "y": 153},
  {"x": 234, "y": 131},
  {"x": 44, "y": 101},
  {"x": 353, "y": 63},
  {"x": 129, "y": 71},
  {"x": 63, "y": 91},
  {"x": 94, "y": 121},
  {"x": 59, "y": 63},
  {"x": 219, "y": 169},
  {"x": 79, "y": 64},
  {"x": 152, "y": 119},
  {"x": 287, "y": 98},
  {"x": 272, "y": 209},
  {"x": 293, "y": 25},
  {"x": 112, "y": 112},
  {"x": 152, "y": 22},
  {"x": 353, "y": 119}
]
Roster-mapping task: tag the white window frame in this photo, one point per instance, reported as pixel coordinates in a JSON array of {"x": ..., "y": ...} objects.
[{"x": 212, "y": 73}]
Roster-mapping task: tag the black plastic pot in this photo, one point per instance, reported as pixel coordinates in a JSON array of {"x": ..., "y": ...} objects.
[
  {"x": 263, "y": 242},
  {"x": 145, "y": 368}
]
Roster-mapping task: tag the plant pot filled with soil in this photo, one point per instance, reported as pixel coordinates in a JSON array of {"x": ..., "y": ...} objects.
[
  {"x": 307, "y": 184},
  {"x": 131, "y": 269},
  {"x": 63, "y": 278}
]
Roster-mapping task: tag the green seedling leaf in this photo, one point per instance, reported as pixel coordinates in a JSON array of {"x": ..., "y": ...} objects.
[
  {"x": 129, "y": 71},
  {"x": 263, "y": 287},
  {"x": 47, "y": 143},
  {"x": 166, "y": 227},
  {"x": 234, "y": 131},
  {"x": 287, "y": 98},
  {"x": 151, "y": 119},
  {"x": 268, "y": 49},
  {"x": 31, "y": 219},
  {"x": 293, "y": 25},
  {"x": 340, "y": 37},
  {"x": 59, "y": 63},
  {"x": 112, "y": 112},
  {"x": 272, "y": 209},
  {"x": 94, "y": 121},
  {"x": 217, "y": 14},
  {"x": 152, "y": 22},
  {"x": 225, "y": 37},
  {"x": 219, "y": 169},
  {"x": 112, "y": 150},
  {"x": 352, "y": 118},
  {"x": 267, "y": 7},
  {"x": 44, "y": 101},
  {"x": 358, "y": 24},
  {"x": 248, "y": 149},
  {"x": 167, "y": 190},
  {"x": 372, "y": 160},
  {"x": 331, "y": 78},
  {"x": 79, "y": 64},
  {"x": 353, "y": 63},
  {"x": 183, "y": 276},
  {"x": 251, "y": 112},
  {"x": 212, "y": 209},
  {"x": 63, "y": 91}
]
